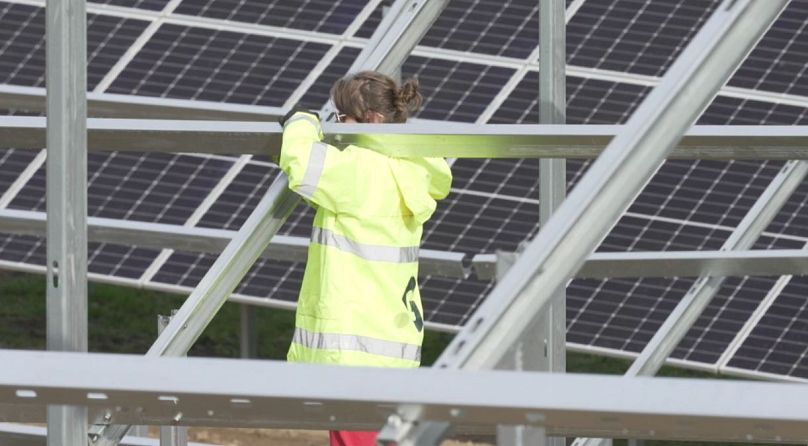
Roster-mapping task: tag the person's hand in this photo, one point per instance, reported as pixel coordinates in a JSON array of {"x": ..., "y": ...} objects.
[{"x": 282, "y": 120}]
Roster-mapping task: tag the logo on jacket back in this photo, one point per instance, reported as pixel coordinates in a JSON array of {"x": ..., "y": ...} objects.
[{"x": 410, "y": 305}]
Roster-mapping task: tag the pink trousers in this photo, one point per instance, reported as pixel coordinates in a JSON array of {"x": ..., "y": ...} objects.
[{"x": 345, "y": 438}]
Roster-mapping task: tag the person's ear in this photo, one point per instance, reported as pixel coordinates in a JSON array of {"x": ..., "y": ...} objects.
[{"x": 375, "y": 118}]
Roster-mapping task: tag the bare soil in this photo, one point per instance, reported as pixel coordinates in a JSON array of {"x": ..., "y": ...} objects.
[{"x": 274, "y": 437}]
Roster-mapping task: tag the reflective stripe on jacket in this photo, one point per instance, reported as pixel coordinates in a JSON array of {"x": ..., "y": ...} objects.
[{"x": 359, "y": 303}]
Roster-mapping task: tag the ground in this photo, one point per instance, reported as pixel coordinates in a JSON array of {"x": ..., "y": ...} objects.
[{"x": 275, "y": 437}]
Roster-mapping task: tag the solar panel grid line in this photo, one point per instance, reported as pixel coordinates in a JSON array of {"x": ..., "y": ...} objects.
[
  {"x": 329, "y": 57},
  {"x": 136, "y": 46}
]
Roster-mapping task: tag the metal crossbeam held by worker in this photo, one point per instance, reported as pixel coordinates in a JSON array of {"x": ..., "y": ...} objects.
[
  {"x": 692, "y": 305},
  {"x": 408, "y": 25},
  {"x": 66, "y": 169},
  {"x": 239, "y": 393},
  {"x": 449, "y": 140},
  {"x": 607, "y": 188}
]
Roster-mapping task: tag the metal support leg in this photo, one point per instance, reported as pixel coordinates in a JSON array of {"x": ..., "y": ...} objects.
[
  {"x": 543, "y": 347},
  {"x": 530, "y": 354},
  {"x": 171, "y": 435},
  {"x": 66, "y": 29},
  {"x": 248, "y": 336}
]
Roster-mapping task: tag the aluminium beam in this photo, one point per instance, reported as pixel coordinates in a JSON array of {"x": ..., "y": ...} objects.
[
  {"x": 238, "y": 393},
  {"x": 606, "y": 265},
  {"x": 111, "y": 105},
  {"x": 606, "y": 190},
  {"x": 452, "y": 140},
  {"x": 66, "y": 138},
  {"x": 208, "y": 240}
]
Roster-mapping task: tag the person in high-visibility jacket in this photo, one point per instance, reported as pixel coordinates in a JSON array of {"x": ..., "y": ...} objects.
[{"x": 359, "y": 302}]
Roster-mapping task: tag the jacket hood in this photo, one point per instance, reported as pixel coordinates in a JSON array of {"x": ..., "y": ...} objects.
[{"x": 422, "y": 181}]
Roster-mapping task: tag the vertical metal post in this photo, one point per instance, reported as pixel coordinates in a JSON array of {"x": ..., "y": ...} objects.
[
  {"x": 528, "y": 354},
  {"x": 66, "y": 28},
  {"x": 171, "y": 435},
  {"x": 543, "y": 348},
  {"x": 248, "y": 337},
  {"x": 553, "y": 172}
]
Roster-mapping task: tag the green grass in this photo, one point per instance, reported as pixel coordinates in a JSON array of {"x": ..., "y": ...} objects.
[{"x": 124, "y": 320}]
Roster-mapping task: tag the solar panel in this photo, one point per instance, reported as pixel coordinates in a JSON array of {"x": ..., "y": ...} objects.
[
  {"x": 477, "y": 63},
  {"x": 778, "y": 63},
  {"x": 22, "y": 44},
  {"x": 636, "y": 36},
  {"x": 153, "y": 5},
  {"x": 777, "y": 343},
  {"x": 194, "y": 63}
]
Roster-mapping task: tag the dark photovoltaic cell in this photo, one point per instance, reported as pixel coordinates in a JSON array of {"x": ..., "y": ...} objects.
[
  {"x": 455, "y": 91},
  {"x": 12, "y": 163},
  {"x": 119, "y": 261},
  {"x": 473, "y": 223},
  {"x": 153, "y": 5},
  {"x": 705, "y": 191},
  {"x": 509, "y": 29},
  {"x": 734, "y": 111},
  {"x": 778, "y": 62},
  {"x": 372, "y": 22},
  {"x": 22, "y": 44},
  {"x": 155, "y": 187},
  {"x": 449, "y": 301},
  {"x": 222, "y": 66},
  {"x": 639, "y": 233},
  {"x": 620, "y": 314},
  {"x": 128, "y": 262},
  {"x": 778, "y": 343},
  {"x": 637, "y": 36},
  {"x": 276, "y": 280},
  {"x": 723, "y": 318},
  {"x": 242, "y": 195},
  {"x": 589, "y": 101},
  {"x": 793, "y": 218},
  {"x": 319, "y": 92},
  {"x": 310, "y": 15}
]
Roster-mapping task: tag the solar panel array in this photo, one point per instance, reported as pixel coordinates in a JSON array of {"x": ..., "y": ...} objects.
[{"x": 478, "y": 63}]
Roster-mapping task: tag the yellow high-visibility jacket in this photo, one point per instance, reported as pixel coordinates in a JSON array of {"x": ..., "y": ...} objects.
[{"x": 359, "y": 303}]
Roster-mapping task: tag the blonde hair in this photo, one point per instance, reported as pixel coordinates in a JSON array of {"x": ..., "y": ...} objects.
[{"x": 367, "y": 92}]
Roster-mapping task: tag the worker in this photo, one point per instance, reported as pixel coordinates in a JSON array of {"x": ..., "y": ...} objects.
[{"x": 359, "y": 303}]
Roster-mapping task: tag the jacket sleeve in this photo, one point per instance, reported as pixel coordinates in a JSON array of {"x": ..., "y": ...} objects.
[{"x": 318, "y": 172}]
